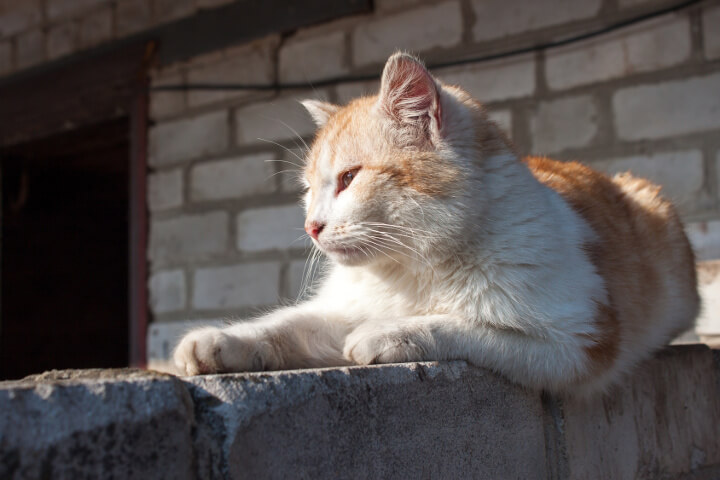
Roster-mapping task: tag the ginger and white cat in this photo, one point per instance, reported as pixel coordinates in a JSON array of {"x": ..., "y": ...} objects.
[{"x": 446, "y": 245}]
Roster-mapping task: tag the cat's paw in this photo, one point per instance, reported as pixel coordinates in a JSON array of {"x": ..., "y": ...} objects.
[
  {"x": 366, "y": 346},
  {"x": 212, "y": 350}
]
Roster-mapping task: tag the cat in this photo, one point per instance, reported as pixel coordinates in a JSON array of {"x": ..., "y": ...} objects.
[{"x": 446, "y": 245}]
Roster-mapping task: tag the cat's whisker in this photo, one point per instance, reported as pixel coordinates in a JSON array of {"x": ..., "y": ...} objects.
[
  {"x": 284, "y": 148},
  {"x": 278, "y": 160},
  {"x": 293, "y": 131}
]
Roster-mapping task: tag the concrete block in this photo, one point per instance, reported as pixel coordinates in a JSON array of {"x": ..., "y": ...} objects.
[
  {"x": 709, "y": 286},
  {"x": 183, "y": 140},
  {"x": 313, "y": 58},
  {"x": 398, "y": 421},
  {"x": 711, "y": 32},
  {"x": 6, "y": 61},
  {"x": 661, "y": 43},
  {"x": 278, "y": 120},
  {"x": 167, "y": 291},
  {"x": 187, "y": 237},
  {"x": 271, "y": 228},
  {"x": 681, "y": 173},
  {"x": 62, "y": 39},
  {"x": 503, "y": 119},
  {"x": 70, "y": 8},
  {"x": 688, "y": 105},
  {"x": 236, "y": 286},
  {"x": 165, "y": 190},
  {"x": 96, "y": 27},
  {"x": 169, "y": 10},
  {"x": 568, "y": 122},
  {"x": 494, "y": 81},
  {"x": 417, "y": 30},
  {"x": 233, "y": 178},
  {"x": 132, "y": 16},
  {"x": 166, "y": 103},
  {"x": 30, "y": 48},
  {"x": 17, "y": 17},
  {"x": 705, "y": 239},
  {"x": 96, "y": 424},
  {"x": 501, "y": 18},
  {"x": 252, "y": 64}
]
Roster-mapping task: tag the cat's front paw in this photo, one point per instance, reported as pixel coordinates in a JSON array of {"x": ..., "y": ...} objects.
[
  {"x": 212, "y": 350},
  {"x": 366, "y": 346}
]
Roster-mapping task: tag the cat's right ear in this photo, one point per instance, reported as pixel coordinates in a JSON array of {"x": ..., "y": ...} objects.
[{"x": 320, "y": 111}]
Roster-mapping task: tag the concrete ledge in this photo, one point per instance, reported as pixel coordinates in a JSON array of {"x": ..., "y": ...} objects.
[{"x": 424, "y": 420}]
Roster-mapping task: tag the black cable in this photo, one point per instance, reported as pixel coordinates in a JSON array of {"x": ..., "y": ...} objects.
[{"x": 484, "y": 58}]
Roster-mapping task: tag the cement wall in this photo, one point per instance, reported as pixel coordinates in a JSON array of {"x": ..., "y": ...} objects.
[{"x": 422, "y": 420}]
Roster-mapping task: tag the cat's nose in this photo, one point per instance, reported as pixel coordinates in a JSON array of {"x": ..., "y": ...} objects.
[{"x": 314, "y": 228}]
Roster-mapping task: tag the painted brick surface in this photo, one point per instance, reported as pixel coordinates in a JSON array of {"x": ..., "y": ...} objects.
[
  {"x": 649, "y": 46},
  {"x": 349, "y": 91},
  {"x": 494, "y": 81},
  {"x": 711, "y": 32},
  {"x": 503, "y": 118},
  {"x": 189, "y": 236},
  {"x": 308, "y": 59},
  {"x": 183, "y": 140},
  {"x": 569, "y": 122},
  {"x": 169, "y": 10},
  {"x": 96, "y": 27},
  {"x": 246, "y": 285},
  {"x": 271, "y": 228},
  {"x": 165, "y": 190},
  {"x": 417, "y": 30},
  {"x": 278, "y": 120},
  {"x": 233, "y": 178},
  {"x": 501, "y": 18},
  {"x": 668, "y": 108},
  {"x": 166, "y": 103},
  {"x": 705, "y": 239},
  {"x": 18, "y": 16},
  {"x": 30, "y": 48},
  {"x": 131, "y": 16},
  {"x": 709, "y": 285},
  {"x": 67, "y": 8},
  {"x": 61, "y": 39},
  {"x": 167, "y": 291},
  {"x": 5, "y": 57}
]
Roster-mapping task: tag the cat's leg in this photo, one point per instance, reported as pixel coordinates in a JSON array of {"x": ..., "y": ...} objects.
[
  {"x": 551, "y": 361},
  {"x": 292, "y": 337}
]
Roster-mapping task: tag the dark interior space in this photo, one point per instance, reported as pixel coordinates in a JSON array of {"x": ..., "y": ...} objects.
[{"x": 64, "y": 252}]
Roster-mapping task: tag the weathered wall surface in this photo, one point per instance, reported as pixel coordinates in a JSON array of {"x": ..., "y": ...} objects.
[{"x": 424, "y": 420}]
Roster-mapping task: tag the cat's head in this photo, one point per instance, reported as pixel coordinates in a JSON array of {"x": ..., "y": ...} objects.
[{"x": 386, "y": 174}]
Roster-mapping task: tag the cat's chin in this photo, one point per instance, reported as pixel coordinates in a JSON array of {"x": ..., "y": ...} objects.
[{"x": 348, "y": 256}]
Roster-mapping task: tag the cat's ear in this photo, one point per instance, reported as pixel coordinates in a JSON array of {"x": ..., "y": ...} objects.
[
  {"x": 409, "y": 94},
  {"x": 320, "y": 111}
]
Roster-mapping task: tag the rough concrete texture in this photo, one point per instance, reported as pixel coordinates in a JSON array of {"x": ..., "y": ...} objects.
[{"x": 417, "y": 420}]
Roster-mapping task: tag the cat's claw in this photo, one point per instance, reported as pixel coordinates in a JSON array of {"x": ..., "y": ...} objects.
[
  {"x": 211, "y": 350},
  {"x": 364, "y": 347}
]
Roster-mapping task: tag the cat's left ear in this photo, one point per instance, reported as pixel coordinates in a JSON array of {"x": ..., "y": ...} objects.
[
  {"x": 409, "y": 95},
  {"x": 320, "y": 111}
]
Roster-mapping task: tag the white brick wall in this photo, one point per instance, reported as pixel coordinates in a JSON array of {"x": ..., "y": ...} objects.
[
  {"x": 236, "y": 286},
  {"x": 275, "y": 120},
  {"x": 711, "y": 32},
  {"x": 194, "y": 137},
  {"x": 189, "y": 236},
  {"x": 668, "y": 108},
  {"x": 650, "y": 46},
  {"x": 493, "y": 81},
  {"x": 17, "y": 16},
  {"x": 503, "y": 118},
  {"x": 132, "y": 16},
  {"x": 569, "y": 122},
  {"x": 167, "y": 291},
  {"x": 30, "y": 48},
  {"x": 61, "y": 39},
  {"x": 271, "y": 228},
  {"x": 96, "y": 27},
  {"x": 165, "y": 190},
  {"x": 233, "y": 178},
  {"x": 308, "y": 59},
  {"x": 416, "y": 30},
  {"x": 500, "y": 18},
  {"x": 350, "y": 91},
  {"x": 165, "y": 103},
  {"x": 705, "y": 239},
  {"x": 5, "y": 57}
]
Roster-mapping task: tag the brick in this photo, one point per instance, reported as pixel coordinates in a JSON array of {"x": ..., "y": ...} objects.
[
  {"x": 569, "y": 122},
  {"x": 708, "y": 322},
  {"x": 96, "y": 27},
  {"x": 166, "y": 103},
  {"x": 500, "y": 18},
  {"x": 132, "y": 16},
  {"x": 169, "y": 10},
  {"x": 5, "y": 58},
  {"x": 19, "y": 16},
  {"x": 666, "y": 109},
  {"x": 62, "y": 39},
  {"x": 662, "y": 43},
  {"x": 705, "y": 239},
  {"x": 64, "y": 8},
  {"x": 390, "y": 5},
  {"x": 680, "y": 173},
  {"x": 316, "y": 58},
  {"x": 163, "y": 337},
  {"x": 30, "y": 48},
  {"x": 188, "y": 237},
  {"x": 302, "y": 276},
  {"x": 711, "y": 32},
  {"x": 290, "y": 170},
  {"x": 417, "y": 30},
  {"x": 253, "y": 64},
  {"x": 233, "y": 178},
  {"x": 278, "y": 120},
  {"x": 182, "y": 140},
  {"x": 349, "y": 91},
  {"x": 632, "y": 3},
  {"x": 212, "y": 3},
  {"x": 495, "y": 81},
  {"x": 167, "y": 291},
  {"x": 165, "y": 190},
  {"x": 236, "y": 286},
  {"x": 271, "y": 228},
  {"x": 503, "y": 118}
]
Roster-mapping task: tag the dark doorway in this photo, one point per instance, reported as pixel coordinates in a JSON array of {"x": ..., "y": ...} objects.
[{"x": 64, "y": 266}]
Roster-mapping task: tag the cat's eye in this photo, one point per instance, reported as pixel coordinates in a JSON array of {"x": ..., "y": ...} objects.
[{"x": 346, "y": 179}]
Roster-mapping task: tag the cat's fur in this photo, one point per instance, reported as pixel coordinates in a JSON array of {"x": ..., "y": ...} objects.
[{"x": 446, "y": 245}]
